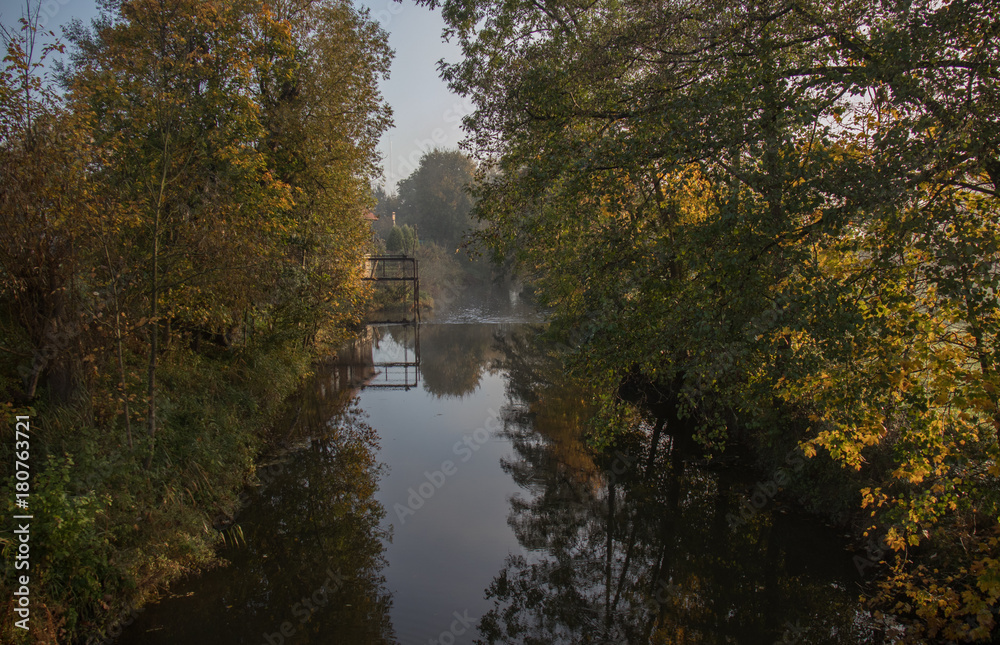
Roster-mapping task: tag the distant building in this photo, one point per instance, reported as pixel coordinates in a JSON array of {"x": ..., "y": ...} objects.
[{"x": 371, "y": 218}]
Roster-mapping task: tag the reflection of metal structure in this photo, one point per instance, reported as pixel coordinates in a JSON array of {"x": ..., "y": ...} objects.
[
  {"x": 355, "y": 366},
  {"x": 395, "y": 268},
  {"x": 387, "y": 373}
]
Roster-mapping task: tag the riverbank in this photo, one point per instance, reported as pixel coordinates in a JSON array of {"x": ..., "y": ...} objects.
[
  {"x": 183, "y": 218},
  {"x": 110, "y": 532}
]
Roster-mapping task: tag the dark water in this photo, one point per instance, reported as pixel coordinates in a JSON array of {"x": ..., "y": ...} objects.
[{"x": 457, "y": 503}]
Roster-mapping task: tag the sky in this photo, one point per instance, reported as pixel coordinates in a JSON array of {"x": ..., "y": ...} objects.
[{"x": 425, "y": 112}]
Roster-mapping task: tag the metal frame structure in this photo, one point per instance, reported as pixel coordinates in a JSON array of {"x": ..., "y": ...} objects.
[{"x": 395, "y": 268}]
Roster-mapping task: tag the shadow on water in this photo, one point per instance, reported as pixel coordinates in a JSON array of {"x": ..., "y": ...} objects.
[
  {"x": 448, "y": 360},
  {"x": 452, "y": 356}
]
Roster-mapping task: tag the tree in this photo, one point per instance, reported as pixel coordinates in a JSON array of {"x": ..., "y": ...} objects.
[
  {"x": 434, "y": 199},
  {"x": 742, "y": 205},
  {"x": 237, "y": 142},
  {"x": 325, "y": 115},
  {"x": 608, "y": 537},
  {"x": 402, "y": 239},
  {"x": 203, "y": 177},
  {"x": 170, "y": 95},
  {"x": 410, "y": 241},
  {"x": 46, "y": 206},
  {"x": 396, "y": 242},
  {"x": 386, "y": 206}
]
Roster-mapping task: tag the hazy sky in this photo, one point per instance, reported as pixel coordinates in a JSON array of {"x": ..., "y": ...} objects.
[{"x": 426, "y": 114}]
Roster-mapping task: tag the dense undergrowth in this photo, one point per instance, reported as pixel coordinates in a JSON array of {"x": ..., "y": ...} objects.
[{"x": 108, "y": 530}]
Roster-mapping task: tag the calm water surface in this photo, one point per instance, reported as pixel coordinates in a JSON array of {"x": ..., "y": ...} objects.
[{"x": 457, "y": 503}]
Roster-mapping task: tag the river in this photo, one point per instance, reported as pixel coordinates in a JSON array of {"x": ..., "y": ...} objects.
[{"x": 456, "y": 502}]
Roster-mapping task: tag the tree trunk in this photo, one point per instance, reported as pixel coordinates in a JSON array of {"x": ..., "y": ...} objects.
[{"x": 154, "y": 293}]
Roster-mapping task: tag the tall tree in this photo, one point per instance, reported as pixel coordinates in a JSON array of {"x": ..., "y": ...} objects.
[
  {"x": 435, "y": 198},
  {"x": 190, "y": 205},
  {"x": 238, "y": 143},
  {"x": 45, "y": 206},
  {"x": 324, "y": 116},
  {"x": 170, "y": 94}
]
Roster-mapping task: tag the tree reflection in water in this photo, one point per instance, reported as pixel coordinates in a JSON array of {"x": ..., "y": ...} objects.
[
  {"x": 312, "y": 553},
  {"x": 453, "y": 357},
  {"x": 622, "y": 549}
]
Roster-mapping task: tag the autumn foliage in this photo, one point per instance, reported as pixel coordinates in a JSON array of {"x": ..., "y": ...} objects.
[
  {"x": 180, "y": 222},
  {"x": 782, "y": 216}
]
